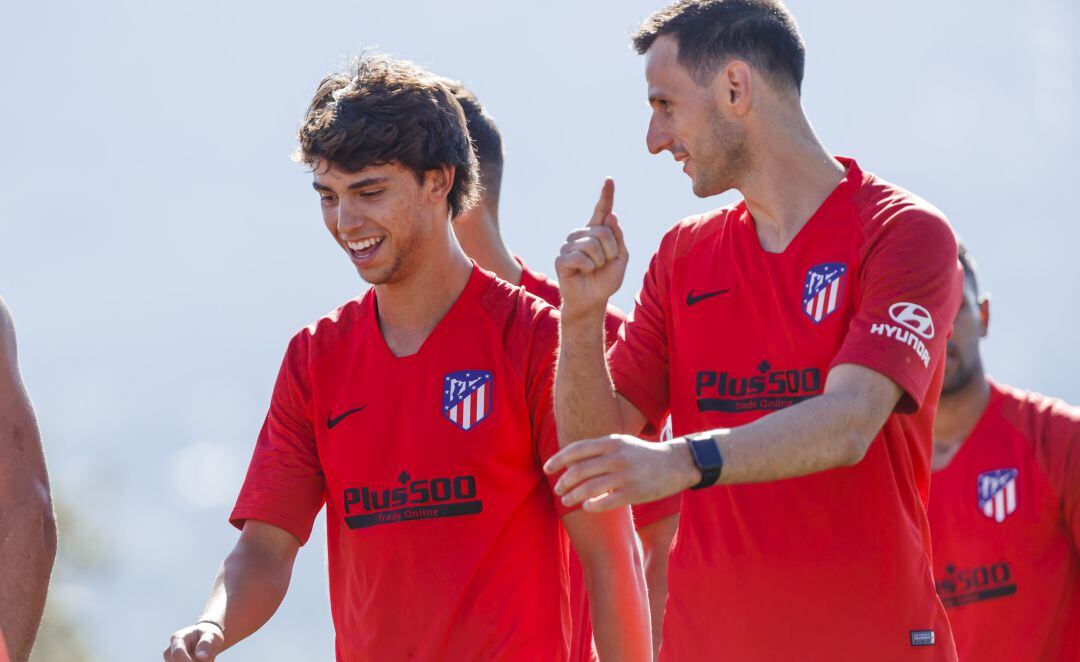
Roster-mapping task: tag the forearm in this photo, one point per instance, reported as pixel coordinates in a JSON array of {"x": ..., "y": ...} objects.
[
  {"x": 28, "y": 549},
  {"x": 586, "y": 404},
  {"x": 618, "y": 599},
  {"x": 655, "y": 544},
  {"x": 248, "y": 590},
  {"x": 828, "y": 431}
]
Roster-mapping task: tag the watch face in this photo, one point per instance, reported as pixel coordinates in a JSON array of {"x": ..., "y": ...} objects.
[{"x": 706, "y": 453}]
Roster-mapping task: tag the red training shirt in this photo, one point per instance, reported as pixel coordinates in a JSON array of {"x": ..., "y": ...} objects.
[
  {"x": 835, "y": 565},
  {"x": 444, "y": 537},
  {"x": 1005, "y": 514},
  {"x": 581, "y": 641}
]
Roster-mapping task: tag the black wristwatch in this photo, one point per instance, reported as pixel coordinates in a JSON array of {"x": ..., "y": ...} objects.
[{"x": 706, "y": 454}]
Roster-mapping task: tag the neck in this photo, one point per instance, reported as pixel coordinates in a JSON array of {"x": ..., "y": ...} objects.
[
  {"x": 410, "y": 308},
  {"x": 478, "y": 232},
  {"x": 957, "y": 415},
  {"x": 791, "y": 175}
]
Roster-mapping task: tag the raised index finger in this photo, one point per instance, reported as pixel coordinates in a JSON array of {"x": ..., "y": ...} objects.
[{"x": 606, "y": 202}]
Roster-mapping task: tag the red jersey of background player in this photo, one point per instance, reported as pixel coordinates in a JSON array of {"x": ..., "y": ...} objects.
[
  {"x": 1005, "y": 514},
  {"x": 581, "y": 648},
  {"x": 444, "y": 539},
  {"x": 834, "y": 565},
  {"x": 581, "y": 644}
]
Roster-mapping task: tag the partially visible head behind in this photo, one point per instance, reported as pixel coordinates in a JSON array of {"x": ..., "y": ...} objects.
[
  {"x": 709, "y": 33},
  {"x": 487, "y": 142},
  {"x": 971, "y": 282},
  {"x": 383, "y": 111},
  {"x": 963, "y": 362}
]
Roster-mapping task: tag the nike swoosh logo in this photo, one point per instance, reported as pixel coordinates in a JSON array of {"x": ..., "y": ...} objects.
[
  {"x": 332, "y": 421},
  {"x": 691, "y": 299}
]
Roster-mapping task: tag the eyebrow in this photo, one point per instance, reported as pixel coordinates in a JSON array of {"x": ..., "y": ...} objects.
[{"x": 367, "y": 181}]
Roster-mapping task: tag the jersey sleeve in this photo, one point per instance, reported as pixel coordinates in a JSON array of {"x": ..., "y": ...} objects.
[
  {"x": 1058, "y": 450},
  {"x": 613, "y": 321},
  {"x": 639, "y": 358},
  {"x": 910, "y": 288},
  {"x": 285, "y": 485},
  {"x": 540, "y": 393}
]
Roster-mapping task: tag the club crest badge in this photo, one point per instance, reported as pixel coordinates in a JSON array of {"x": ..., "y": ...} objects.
[
  {"x": 822, "y": 291},
  {"x": 467, "y": 397},
  {"x": 997, "y": 493}
]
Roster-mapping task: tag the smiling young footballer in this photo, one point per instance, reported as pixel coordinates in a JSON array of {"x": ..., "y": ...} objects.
[
  {"x": 420, "y": 414},
  {"x": 798, "y": 338}
]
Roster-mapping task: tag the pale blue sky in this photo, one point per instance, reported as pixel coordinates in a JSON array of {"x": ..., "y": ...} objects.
[{"x": 158, "y": 248}]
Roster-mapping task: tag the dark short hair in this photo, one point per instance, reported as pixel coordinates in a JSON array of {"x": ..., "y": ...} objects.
[
  {"x": 381, "y": 110},
  {"x": 487, "y": 141},
  {"x": 711, "y": 32},
  {"x": 967, "y": 262}
]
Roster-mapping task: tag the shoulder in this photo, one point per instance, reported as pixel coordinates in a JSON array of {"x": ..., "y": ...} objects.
[
  {"x": 886, "y": 209},
  {"x": 512, "y": 309},
  {"x": 689, "y": 232},
  {"x": 1040, "y": 418},
  {"x": 332, "y": 329}
]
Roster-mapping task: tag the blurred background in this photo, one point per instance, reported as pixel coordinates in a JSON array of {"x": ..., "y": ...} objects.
[{"x": 158, "y": 248}]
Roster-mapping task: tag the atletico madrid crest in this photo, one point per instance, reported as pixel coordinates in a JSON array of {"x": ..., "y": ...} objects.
[
  {"x": 821, "y": 293},
  {"x": 467, "y": 397},
  {"x": 997, "y": 493}
]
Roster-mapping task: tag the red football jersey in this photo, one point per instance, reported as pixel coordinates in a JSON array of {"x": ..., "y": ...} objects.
[
  {"x": 836, "y": 565},
  {"x": 3, "y": 649},
  {"x": 1005, "y": 515},
  {"x": 581, "y": 636},
  {"x": 444, "y": 537}
]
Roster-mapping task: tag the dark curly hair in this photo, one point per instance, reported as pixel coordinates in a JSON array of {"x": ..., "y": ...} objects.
[{"x": 381, "y": 110}]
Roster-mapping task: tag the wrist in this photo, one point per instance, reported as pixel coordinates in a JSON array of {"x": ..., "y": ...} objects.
[
  {"x": 581, "y": 315},
  {"x": 705, "y": 453},
  {"x": 688, "y": 472},
  {"x": 212, "y": 622}
]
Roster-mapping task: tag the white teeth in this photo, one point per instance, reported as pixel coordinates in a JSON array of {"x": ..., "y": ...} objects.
[{"x": 361, "y": 245}]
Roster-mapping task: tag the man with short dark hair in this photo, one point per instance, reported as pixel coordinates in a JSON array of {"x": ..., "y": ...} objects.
[
  {"x": 27, "y": 523},
  {"x": 798, "y": 339},
  {"x": 1004, "y": 505},
  {"x": 420, "y": 414},
  {"x": 478, "y": 232}
]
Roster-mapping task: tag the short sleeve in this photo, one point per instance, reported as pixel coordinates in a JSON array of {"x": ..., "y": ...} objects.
[
  {"x": 1058, "y": 450},
  {"x": 540, "y": 390},
  {"x": 285, "y": 485},
  {"x": 910, "y": 288},
  {"x": 613, "y": 321},
  {"x": 639, "y": 357}
]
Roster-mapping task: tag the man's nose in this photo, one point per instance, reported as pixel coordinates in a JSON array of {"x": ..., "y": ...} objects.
[{"x": 658, "y": 138}]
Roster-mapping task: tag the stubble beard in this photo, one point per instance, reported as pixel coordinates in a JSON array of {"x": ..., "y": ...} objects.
[
  {"x": 405, "y": 253},
  {"x": 727, "y": 143},
  {"x": 962, "y": 378}
]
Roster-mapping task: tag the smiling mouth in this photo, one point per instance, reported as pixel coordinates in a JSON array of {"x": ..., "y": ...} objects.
[{"x": 364, "y": 248}]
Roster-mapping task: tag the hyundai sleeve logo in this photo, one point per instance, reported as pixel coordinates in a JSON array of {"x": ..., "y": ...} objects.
[{"x": 913, "y": 316}]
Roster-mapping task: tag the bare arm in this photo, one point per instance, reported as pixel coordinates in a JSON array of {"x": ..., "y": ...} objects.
[
  {"x": 590, "y": 267},
  {"x": 27, "y": 523},
  {"x": 247, "y": 591},
  {"x": 655, "y": 544},
  {"x": 834, "y": 429},
  {"x": 613, "y": 575}
]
